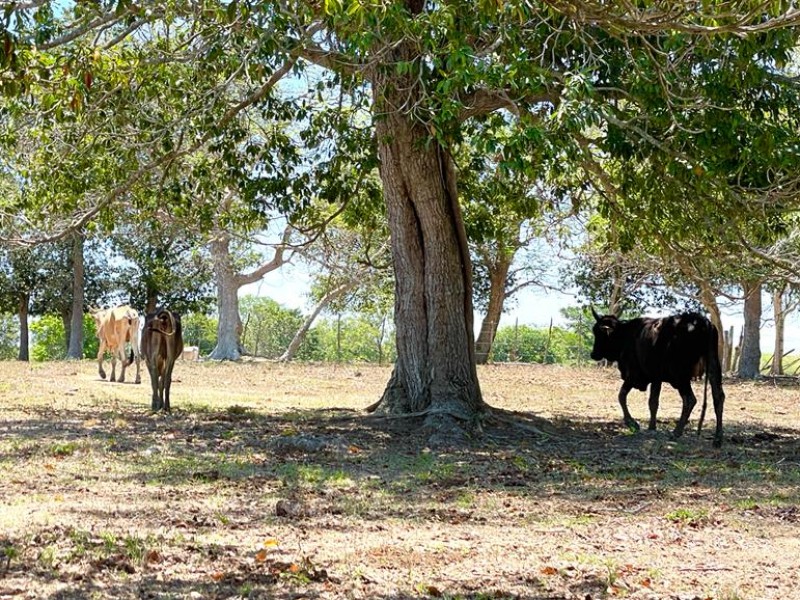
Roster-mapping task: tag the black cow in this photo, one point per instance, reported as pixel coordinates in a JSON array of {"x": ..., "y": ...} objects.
[
  {"x": 162, "y": 343},
  {"x": 673, "y": 349}
]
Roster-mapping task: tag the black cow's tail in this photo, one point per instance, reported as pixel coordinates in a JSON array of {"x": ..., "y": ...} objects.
[
  {"x": 714, "y": 377},
  {"x": 705, "y": 398},
  {"x": 130, "y": 362}
]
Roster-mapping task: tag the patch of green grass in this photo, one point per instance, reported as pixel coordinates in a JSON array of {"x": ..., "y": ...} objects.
[
  {"x": 465, "y": 499},
  {"x": 521, "y": 463},
  {"x": 313, "y": 475},
  {"x": 202, "y": 468},
  {"x": 9, "y": 553},
  {"x": 109, "y": 542},
  {"x": 80, "y": 543},
  {"x": 241, "y": 412},
  {"x": 135, "y": 547},
  {"x": 62, "y": 449},
  {"x": 47, "y": 557},
  {"x": 688, "y": 516},
  {"x": 577, "y": 521}
]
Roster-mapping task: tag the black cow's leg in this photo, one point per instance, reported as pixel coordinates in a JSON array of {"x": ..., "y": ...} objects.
[
  {"x": 689, "y": 400},
  {"x": 623, "y": 402},
  {"x": 719, "y": 403},
  {"x": 652, "y": 401}
]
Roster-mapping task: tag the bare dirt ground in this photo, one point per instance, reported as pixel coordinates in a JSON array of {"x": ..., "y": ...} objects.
[{"x": 267, "y": 481}]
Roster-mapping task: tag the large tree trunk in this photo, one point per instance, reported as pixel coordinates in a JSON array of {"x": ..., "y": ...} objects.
[
  {"x": 750, "y": 356},
  {"x": 229, "y": 281},
  {"x": 497, "y": 296},
  {"x": 780, "y": 328},
  {"x": 75, "y": 349},
  {"x": 22, "y": 312},
  {"x": 229, "y": 327},
  {"x": 435, "y": 372}
]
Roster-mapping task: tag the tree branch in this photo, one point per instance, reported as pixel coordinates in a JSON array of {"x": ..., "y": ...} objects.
[
  {"x": 483, "y": 101},
  {"x": 278, "y": 260}
]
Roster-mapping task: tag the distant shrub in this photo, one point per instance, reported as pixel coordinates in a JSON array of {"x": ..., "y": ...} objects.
[
  {"x": 544, "y": 345},
  {"x": 9, "y": 336},
  {"x": 199, "y": 330},
  {"x": 49, "y": 338}
]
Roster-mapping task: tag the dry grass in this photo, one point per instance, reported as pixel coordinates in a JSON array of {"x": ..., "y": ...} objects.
[{"x": 268, "y": 482}]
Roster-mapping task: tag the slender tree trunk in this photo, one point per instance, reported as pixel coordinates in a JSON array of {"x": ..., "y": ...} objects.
[
  {"x": 750, "y": 356},
  {"x": 617, "y": 289},
  {"x": 709, "y": 300},
  {"x": 497, "y": 296},
  {"x": 24, "y": 343},
  {"x": 229, "y": 327},
  {"x": 435, "y": 372},
  {"x": 298, "y": 338},
  {"x": 152, "y": 301},
  {"x": 75, "y": 350},
  {"x": 780, "y": 328}
]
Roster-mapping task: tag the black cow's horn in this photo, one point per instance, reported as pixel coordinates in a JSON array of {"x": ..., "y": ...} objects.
[{"x": 594, "y": 312}]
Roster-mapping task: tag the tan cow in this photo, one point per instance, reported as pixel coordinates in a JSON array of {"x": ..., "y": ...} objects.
[
  {"x": 190, "y": 353},
  {"x": 117, "y": 327}
]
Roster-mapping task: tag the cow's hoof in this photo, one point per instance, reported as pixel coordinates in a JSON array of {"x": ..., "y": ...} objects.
[
  {"x": 717, "y": 442},
  {"x": 632, "y": 425},
  {"x": 121, "y": 380},
  {"x": 102, "y": 374},
  {"x": 138, "y": 380},
  {"x": 112, "y": 379}
]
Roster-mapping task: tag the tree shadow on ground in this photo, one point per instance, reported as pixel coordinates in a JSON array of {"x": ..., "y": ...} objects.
[
  {"x": 311, "y": 466},
  {"x": 311, "y": 448}
]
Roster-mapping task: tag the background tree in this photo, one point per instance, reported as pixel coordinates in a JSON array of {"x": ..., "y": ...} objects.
[
  {"x": 268, "y": 327},
  {"x": 163, "y": 263},
  {"x": 503, "y": 213}
]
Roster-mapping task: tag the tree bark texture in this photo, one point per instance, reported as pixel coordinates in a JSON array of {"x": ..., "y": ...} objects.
[
  {"x": 435, "y": 370},
  {"x": 229, "y": 281},
  {"x": 22, "y": 312},
  {"x": 709, "y": 300},
  {"x": 750, "y": 356},
  {"x": 780, "y": 329},
  {"x": 229, "y": 327},
  {"x": 75, "y": 349},
  {"x": 494, "y": 310},
  {"x": 617, "y": 290}
]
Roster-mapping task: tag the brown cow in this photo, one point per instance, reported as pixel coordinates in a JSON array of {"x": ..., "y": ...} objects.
[
  {"x": 117, "y": 327},
  {"x": 162, "y": 343}
]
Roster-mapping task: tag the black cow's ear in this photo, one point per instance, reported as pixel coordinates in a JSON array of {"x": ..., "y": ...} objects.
[{"x": 596, "y": 316}]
